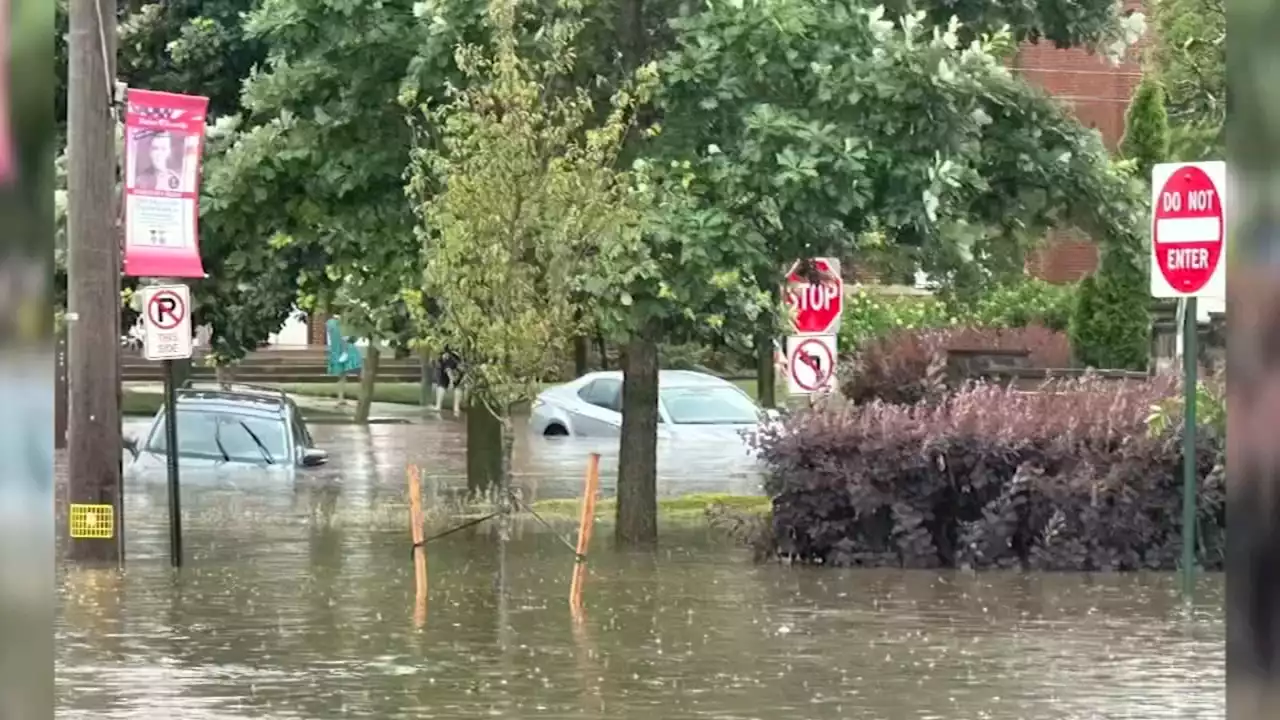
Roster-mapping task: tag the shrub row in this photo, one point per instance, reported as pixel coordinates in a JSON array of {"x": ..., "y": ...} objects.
[
  {"x": 906, "y": 366},
  {"x": 991, "y": 478},
  {"x": 869, "y": 316}
]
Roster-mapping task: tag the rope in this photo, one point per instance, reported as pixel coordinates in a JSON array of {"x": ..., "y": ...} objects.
[
  {"x": 578, "y": 557},
  {"x": 450, "y": 531},
  {"x": 547, "y": 525}
]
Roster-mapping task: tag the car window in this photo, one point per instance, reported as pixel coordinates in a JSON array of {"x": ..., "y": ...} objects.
[
  {"x": 605, "y": 393},
  {"x": 301, "y": 435},
  {"x": 709, "y": 406},
  {"x": 209, "y": 434}
]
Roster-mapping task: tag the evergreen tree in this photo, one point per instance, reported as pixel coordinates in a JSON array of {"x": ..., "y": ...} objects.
[{"x": 1111, "y": 325}]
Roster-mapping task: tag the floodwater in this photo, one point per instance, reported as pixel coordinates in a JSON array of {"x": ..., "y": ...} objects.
[{"x": 297, "y": 602}]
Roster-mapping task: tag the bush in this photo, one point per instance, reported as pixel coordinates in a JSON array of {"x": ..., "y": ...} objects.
[
  {"x": 1031, "y": 302},
  {"x": 908, "y": 366},
  {"x": 869, "y": 316},
  {"x": 991, "y": 478}
]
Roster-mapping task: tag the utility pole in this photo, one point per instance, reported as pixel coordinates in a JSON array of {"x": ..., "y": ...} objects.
[{"x": 93, "y": 274}]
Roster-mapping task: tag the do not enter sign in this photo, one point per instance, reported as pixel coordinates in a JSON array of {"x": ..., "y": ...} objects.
[{"x": 1188, "y": 230}]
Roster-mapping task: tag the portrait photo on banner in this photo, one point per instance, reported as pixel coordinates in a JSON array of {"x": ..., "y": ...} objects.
[{"x": 158, "y": 160}]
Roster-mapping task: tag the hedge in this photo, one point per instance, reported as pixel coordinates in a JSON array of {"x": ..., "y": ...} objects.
[{"x": 990, "y": 477}]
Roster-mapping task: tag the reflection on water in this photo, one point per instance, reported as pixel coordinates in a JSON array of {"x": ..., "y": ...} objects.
[{"x": 290, "y": 608}]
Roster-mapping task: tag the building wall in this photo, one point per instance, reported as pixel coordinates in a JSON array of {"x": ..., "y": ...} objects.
[{"x": 1098, "y": 93}]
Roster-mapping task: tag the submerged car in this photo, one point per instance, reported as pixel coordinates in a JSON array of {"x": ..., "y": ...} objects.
[
  {"x": 229, "y": 427},
  {"x": 690, "y": 404}
]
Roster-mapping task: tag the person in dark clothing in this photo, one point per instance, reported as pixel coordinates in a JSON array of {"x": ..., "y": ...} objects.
[{"x": 448, "y": 375}]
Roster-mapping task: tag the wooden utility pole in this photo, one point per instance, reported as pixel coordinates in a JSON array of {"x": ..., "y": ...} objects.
[{"x": 93, "y": 276}]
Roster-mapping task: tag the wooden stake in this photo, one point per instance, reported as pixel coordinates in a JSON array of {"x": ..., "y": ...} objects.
[
  {"x": 418, "y": 532},
  {"x": 585, "y": 523}
]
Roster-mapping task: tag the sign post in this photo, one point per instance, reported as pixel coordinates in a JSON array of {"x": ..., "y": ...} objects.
[
  {"x": 815, "y": 299},
  {"x": 166, "y": 318},
  {"x": 1188, "y": 249}
]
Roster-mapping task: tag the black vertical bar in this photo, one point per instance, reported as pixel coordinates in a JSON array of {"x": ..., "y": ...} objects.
[{"x": 171, "y": 453}]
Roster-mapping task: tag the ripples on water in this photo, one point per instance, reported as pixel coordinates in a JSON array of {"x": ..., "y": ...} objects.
[{"x": 286, "y": 610}]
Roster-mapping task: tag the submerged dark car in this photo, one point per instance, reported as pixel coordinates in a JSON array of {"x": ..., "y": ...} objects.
[{"x": 228, "y": 428}]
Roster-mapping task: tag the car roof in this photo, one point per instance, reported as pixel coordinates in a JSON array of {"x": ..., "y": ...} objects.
[
  {"x": 666, "y": 379},
  {"x": 245, "y": 402}
]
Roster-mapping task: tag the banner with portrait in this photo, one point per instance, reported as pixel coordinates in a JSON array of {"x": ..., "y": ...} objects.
[{"x": 164, "y": 136}]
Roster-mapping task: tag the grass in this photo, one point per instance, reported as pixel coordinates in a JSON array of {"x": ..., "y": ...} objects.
[
  {"x": 134, "y": 402},
  {"x": 405, "y": 393},
  {"x": 680, "y": 507}
]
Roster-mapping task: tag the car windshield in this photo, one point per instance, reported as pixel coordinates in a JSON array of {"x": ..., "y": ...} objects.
[
  {"x": 709, "y": 406},
  {"x": 219, "y": 435}
]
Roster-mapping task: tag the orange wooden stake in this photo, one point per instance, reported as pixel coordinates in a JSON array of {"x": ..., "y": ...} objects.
[
  {"x": 585, "y": 523},
  {"x": 416, "y": 524}
]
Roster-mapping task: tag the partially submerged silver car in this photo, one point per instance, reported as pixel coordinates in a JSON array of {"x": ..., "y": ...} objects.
[
  {"x": 228, "y": 428},
  {"x": 690, "y": 404}
]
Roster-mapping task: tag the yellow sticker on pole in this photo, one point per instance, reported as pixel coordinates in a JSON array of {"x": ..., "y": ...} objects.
[{"x": 92, "y": 521}]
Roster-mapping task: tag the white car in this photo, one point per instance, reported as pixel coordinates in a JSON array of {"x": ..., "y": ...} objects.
[{"x": 690, "y": 404}]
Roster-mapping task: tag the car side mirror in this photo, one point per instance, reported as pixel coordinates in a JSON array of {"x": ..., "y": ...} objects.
[
  {"x": 314, "y": 457},
  {"x": 130, "y": 443}
]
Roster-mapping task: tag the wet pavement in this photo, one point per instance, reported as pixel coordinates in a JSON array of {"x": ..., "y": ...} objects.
[{"x": 297, "y": 603}]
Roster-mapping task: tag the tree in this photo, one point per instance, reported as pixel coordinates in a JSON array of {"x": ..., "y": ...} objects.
[
  {"x": 808, "y": 127},
  {"x": 1111, "y": 326},
  {"x": 1190, "y": 55},
  {"x": 521, "y": 212},
  {"x": 1146, "y": 127}
]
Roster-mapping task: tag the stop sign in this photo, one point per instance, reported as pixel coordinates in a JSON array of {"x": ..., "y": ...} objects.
[
  {"x": 1188, "y": 229},
  {"x": 816, "y": 306}
]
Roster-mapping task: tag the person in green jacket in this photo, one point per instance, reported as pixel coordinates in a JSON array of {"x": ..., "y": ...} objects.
[{"x": 344, "y": 357}]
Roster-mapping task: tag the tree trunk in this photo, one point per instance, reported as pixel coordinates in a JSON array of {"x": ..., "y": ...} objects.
[
  {"x": 484, "y": 449},
  {"x": 581, "y": 356},
  {"x": 603, "y": 350},
  {"x": 223, "y": 373},
  {"x": 637, "y": 518},
  {"x": 766, "y": 379},
  {"x": 368, "y": 380}
]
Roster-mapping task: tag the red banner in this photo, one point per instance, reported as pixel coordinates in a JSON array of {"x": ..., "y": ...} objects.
[
  {"x": 7, "y": 169},
  {"x": 164, "y": 135}
]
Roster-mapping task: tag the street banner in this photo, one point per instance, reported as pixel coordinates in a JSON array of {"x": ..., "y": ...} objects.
[
  {"x": 7, "y": 163},
  {"x": 164, "y": 136}
]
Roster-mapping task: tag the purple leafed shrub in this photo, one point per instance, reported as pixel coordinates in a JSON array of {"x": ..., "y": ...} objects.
[
  {"x": 909, "y": 365},
  {"x": 990, "y": 477}
]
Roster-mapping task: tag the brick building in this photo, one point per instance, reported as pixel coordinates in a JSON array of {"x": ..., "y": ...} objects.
[{"x": 1098, "y": 92}]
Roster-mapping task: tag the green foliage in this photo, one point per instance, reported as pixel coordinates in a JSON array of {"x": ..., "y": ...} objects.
[
  {"x": 1029, "y": 302},
  {"x": 1211, "y": 411},
  {"x": 1146, "y": 129},
  {"x": 1190, "y": 55},
  {"x": 871, "y": 316},
  {"x": 1111, "y": 324},
  {"x": 522, "y": 211},
  {"x": 811, "y": 130}
]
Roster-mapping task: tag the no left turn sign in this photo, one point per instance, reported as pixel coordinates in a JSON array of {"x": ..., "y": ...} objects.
[{"x": 811, "y": 363}]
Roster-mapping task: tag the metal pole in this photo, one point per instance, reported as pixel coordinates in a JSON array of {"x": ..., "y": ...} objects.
[
  {"x": 171, "y": 453},
  {"x": 1190, "y": 480}
]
